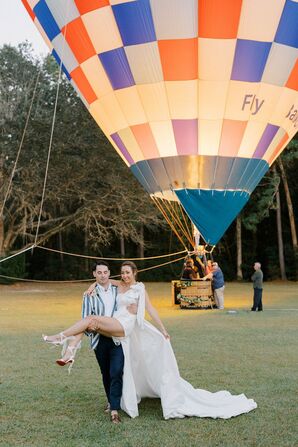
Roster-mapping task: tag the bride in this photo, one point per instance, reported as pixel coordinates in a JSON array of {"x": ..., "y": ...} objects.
[{"x": 150, "y": 367}]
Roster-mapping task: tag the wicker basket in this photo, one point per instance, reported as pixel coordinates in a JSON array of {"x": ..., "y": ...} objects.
[{"x": 196, "y": 294}]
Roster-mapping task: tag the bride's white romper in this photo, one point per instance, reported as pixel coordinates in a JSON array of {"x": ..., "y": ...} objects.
[{"x": 150, "y": 370}]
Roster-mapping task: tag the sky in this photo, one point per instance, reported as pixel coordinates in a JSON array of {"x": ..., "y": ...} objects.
[{"x": 16, "y": 26}]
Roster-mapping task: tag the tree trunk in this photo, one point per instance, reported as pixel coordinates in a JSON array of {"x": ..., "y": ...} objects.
[
  {"x": 239, "y": 249},
  {"x": 254, "y": 243},
  {"x": 2, "y": 252},
  {"x": 122, "y": 247},
  {"x": 61, "y": 254},
  {"x": 280, "y": 238},
  {"x": 9, "y": 238},
  {"x": 141, "y": 244},
  {"x": 61, "y": 247},
  {"x": 289, "y": 204},
  {"x": 86, "y": 252}
]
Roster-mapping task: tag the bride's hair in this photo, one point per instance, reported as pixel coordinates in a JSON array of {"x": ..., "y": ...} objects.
[{"x": 132, "y": 265}]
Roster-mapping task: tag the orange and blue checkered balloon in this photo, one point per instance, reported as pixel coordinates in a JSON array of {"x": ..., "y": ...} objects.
[{"x": 198, "y": 97}]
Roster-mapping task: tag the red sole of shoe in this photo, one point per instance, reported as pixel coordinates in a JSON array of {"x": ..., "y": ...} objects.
[{"x": 63, "y": 363}]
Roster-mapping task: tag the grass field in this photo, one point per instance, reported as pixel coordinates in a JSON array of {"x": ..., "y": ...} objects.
[{"x": 250, "y": 352}]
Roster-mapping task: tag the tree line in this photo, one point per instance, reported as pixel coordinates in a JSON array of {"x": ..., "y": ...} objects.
[{"x": 93, "y": 205}]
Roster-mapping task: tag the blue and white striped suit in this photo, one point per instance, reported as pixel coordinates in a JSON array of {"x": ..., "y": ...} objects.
[{"x": 93, "y": 305}]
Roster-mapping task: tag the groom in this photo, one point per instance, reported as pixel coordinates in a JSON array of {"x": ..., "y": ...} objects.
[{"x": 102, "y": 301}]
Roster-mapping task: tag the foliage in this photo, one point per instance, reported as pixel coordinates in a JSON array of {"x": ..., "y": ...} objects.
[
  {"x": 14, "y": 267},
  {"x": 261, "y": 201}
]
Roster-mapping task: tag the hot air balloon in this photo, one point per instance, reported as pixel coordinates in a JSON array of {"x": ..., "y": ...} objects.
[{"x": 198, "y": 97}]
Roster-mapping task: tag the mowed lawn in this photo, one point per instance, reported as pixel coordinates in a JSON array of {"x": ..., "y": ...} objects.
[{"x": 244, "y": 352}]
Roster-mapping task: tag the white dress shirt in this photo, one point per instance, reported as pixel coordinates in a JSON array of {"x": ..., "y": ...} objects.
[{"x": 107, "y": 298}]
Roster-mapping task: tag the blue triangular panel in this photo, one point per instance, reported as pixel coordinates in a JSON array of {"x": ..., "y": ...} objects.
[{"x": 212, "y": 212}]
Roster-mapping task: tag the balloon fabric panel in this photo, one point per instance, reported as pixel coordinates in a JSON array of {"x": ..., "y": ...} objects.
[
  {"x": 46, "y": 19},
  {"x": 218, "y": 19},
  {"x": 58, "y": 60},
  {"x": 90, "y": 5},
  {"x": 292, "y": 82},
  {"x": 203, "y": 206}
]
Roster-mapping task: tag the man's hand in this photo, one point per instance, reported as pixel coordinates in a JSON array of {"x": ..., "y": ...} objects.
[
  {"x": 132, "y": 309},
  {"x": 209, "y": 276}
]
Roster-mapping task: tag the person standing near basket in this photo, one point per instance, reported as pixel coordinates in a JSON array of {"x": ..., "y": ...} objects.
[{"x": 218, "y": 284}]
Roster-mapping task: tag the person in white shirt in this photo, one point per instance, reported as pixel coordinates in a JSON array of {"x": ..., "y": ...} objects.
[{"x": 102, "y": 302}]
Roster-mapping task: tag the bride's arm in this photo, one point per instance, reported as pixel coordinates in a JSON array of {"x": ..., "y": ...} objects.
[
  {"x": 90, "y": 289},
  {"x": 154, "y": 315},
  {"x": 115, "y": 282}
]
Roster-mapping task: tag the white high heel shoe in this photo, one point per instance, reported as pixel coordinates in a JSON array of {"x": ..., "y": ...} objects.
[
  {"x": 70, "y": 360},
  {"x": 61, "y": 340}
]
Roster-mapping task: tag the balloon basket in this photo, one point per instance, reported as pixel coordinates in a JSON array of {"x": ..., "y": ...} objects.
[{"x": 193, "y": 294}]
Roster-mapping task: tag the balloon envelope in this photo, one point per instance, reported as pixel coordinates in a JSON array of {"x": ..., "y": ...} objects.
[{"x": 198, "y": 97}]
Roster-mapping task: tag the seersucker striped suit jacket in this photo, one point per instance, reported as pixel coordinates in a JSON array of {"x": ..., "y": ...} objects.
[{"x": 94, "y": 305}]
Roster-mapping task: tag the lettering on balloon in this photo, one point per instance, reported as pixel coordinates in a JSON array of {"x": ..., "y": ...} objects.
[
  {"x": 253, "y": 103},
  {"x": 293, "y": 115}
]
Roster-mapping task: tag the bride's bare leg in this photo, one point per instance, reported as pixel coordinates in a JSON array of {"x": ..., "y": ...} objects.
[
  {"x": 104, "y": 325},
  {"x": 73, "y": 342},
  {"x": 108, "y": 326}
]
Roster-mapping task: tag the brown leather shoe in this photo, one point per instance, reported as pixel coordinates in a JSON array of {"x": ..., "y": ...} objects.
[{"x": 115, "y": 418}]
